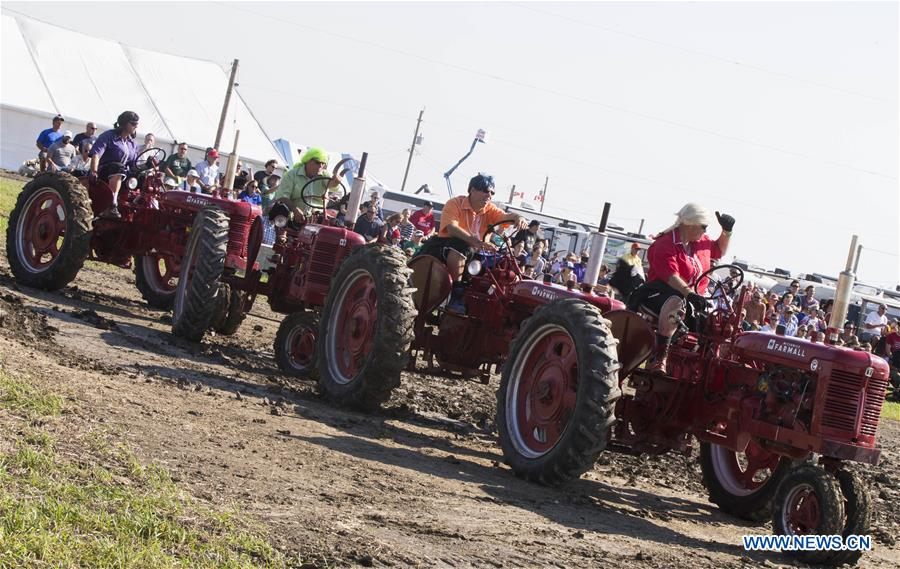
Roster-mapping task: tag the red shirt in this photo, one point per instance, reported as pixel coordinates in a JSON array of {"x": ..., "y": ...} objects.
[
  {"x": 669, "y": 256},
  {"x": 892, "y": 342},
  {"x": 422, "y": 221}
]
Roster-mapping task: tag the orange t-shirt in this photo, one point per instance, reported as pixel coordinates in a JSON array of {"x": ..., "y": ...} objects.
[{"x": 476, "y": 223}]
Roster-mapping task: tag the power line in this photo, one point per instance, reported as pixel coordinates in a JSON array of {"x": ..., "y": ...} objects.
[
  {"x": 702, "y": 54},
  {"x": 565, "y": 95},
  {"x": 868, "y": 249}
]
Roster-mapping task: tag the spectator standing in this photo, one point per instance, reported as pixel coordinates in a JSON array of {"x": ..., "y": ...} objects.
[
  {"x": 208, "y": 171},
  {"x": 423, "y": 219},
  {"x": 809, "y": 298},
  {"x": 794, "y": 289},
  {"x": 178, "y": 165},
  {"x": 46, "y": 138},
  {"x": 268, "y": 189},
  {"x": 191, "y": 183},
  {"x": 149, "y": 142},
  {"x": 892, "y": 339},
  {"x": 61, "y": 153},
  {"x": 250, "y": 193},
  {"x": 756, "y": 308},
  {"x": 367, "y": 224},
  {"x": 81, "y": 164},
  {"x": 89, "y": 135},
  {"x": 375, "y": 202},
  {"x": 528, "y": 235},
  {"x": 262, "y": 175},
  {"x": 536, "y": 259},
  {"x": 875, "y": 324},
  {"x": 406, "y": 228}
]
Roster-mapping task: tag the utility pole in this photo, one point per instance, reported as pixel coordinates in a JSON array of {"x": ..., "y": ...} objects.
[
  {"x": 856, "y": 262},
  {"x": 641, "y": 228},
  {"x": 234, "y": 67},
  {"x": 512, "y": 193},
  {"x": 544, "y": 193},
  {"x": 412, "y": 148}
]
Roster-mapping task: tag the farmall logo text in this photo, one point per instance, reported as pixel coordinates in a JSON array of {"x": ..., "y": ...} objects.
[
  {"x": 197, "y": 200},
  {"x": 542, "y": 292},
  {"x": 785, "y": 348}
]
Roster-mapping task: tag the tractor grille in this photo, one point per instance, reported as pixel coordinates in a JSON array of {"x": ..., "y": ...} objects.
[
  {"x": 844, "y": 398},
  {"x": 322, "y": 264},
  {"x": 238, "y": 230}
]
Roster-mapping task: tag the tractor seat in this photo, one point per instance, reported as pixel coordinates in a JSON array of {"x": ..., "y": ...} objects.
[{"x": 431, "y": 281}]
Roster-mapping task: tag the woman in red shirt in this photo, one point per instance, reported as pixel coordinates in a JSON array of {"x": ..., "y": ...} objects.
[{"x": 678, "y": 256}]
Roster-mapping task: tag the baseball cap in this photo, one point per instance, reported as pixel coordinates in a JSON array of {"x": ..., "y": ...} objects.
[
  {"x": 214, "y": 153},
  {"x": 570, "y": 264},
  {"x": 418, "y": 232},
  {"x": 170, "y": 182},
  {"x": 637, "y": 246},
  {"x": 59, "y": 118},
  {"x": 67, "y": 133},
  {"x": 193, "y": 173}
]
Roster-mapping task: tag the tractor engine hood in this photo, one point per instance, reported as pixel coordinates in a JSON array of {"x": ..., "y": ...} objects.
[
  {"x": 195, "y": 202},
  {"x": 796, "y": 353},
  {"x": 536, "y": 293}
]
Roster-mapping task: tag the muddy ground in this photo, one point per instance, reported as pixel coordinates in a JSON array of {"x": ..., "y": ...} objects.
[{"x": 421, "y": 483}]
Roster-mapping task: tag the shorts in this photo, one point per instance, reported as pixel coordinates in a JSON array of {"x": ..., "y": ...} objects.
[
  {"x": 651, "y": 297},
  {"x": 110, "y": 169},
  {"x": 440, "y": 246}
]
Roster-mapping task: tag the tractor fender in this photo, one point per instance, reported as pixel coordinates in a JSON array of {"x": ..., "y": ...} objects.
[{"x": 636, "y": 339}]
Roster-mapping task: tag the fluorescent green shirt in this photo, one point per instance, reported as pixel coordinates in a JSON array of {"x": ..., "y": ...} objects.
[{"x": 291, "y": 184}]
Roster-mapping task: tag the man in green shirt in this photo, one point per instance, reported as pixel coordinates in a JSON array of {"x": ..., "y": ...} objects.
[
  {"x": 178, "y": 165},
  {"x": 313, "y": 163}
]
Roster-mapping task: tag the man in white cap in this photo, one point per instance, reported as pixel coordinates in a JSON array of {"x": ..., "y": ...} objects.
[
  {"x": 61, "y": 153},
  {"x": 191, "y": 182}
]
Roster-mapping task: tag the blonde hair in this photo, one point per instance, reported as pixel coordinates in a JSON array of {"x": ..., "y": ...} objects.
[{"x": 691, "y": 214}]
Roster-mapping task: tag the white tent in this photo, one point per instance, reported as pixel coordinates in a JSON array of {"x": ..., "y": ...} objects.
[{"x": 48, "y": 70}]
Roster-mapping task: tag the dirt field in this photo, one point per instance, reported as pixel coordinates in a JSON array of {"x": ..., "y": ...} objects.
[{"x": 420, "y": 484}]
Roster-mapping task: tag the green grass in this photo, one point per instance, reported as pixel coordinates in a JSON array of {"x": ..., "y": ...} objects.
[
  {"x": 891, "y": 410},
  {"x": 9, "y": 191},
  {"x": 103, "y": 508}
]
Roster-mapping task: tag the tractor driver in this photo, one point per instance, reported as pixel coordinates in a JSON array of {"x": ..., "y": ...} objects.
[
  {"x": 111, "y": 155},
  {"x": 678, "y": 256},
  {"x": 314, "y": 162},
  {"x": 464, "y": 220}
]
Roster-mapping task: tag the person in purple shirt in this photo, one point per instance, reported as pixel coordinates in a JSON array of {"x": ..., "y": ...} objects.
[{"x": 111, "y": 155}]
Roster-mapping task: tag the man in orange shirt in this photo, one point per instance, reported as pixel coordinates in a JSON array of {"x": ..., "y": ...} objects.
[{"x": 464, "y": 221}]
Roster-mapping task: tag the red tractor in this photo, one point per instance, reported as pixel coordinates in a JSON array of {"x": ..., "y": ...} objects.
[
  {"x": 776, "y": 417},
  {"x": 53, "y": 230},
  {"x": 314, "y": 259},
  {"x": 499, "y": 301}
]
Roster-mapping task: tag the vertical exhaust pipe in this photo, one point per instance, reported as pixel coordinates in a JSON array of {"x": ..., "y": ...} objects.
[
  {"x": 356, "y": 192},
  {"x": 842, "y": 296}
]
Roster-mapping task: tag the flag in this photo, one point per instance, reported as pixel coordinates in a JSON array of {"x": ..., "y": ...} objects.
[
  {"x": 519, "y": 194},
  {"x": 539, "y": 197}
]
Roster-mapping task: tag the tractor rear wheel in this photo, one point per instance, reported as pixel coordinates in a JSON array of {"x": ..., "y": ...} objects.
[
  {"x": 229, "y": 312},
  {"x": 557, "y": 393},
  {"x": 155, "y": 277},
  {"x": 201, "y": 270},
  {"x": 49, "y": 232},
  {"x": 809, "y": 502},
  {"x": 295, "y": 344},
  {"x": 742, "y": 484},
  {"x": 367, "y": 327}
]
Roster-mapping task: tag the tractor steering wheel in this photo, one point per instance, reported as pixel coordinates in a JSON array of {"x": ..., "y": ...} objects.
[
  {"x": 305, "y": 197},
  {"x": 724, "y": 280},
  {"x": 141, "y": 161}
]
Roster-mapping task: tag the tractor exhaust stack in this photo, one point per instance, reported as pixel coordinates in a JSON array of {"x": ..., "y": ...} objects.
[
  {"x": 842, "y": 296},
  {"x": 598, "y": 248},
  {"x": 356, "y": 192}
]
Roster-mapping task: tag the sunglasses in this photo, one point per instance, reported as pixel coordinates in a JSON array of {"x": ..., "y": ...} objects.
[
  {"x": 488, "y": 191},
  {"x": 703, "y": 226}
]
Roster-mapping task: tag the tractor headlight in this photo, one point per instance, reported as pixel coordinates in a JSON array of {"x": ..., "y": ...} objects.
[
  {"x": 280, "y": 221},
  {"x": 474, "y": 267},
  {"x": 132, "y": 183}
]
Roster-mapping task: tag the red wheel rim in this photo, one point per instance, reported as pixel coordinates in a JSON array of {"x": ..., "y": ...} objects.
[
  {"x": 804, "y": 512},
  {"x": 744, "y": 473},
  {"x": 302, "y": 347},
  {"x": 163, "y": 271},
  {"x": 546, "y": 392},
  {"x": 42, "y": 230},
  {"x": 354, "y": 330}
]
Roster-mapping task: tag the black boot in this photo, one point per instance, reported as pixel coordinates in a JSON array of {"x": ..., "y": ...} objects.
[{"x": 657, "y": 363}]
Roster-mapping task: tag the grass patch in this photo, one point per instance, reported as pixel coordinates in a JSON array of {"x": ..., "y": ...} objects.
[
  {"x": 891, "y": 410},
  {"x": 9, "y": 191},
  {"x": 97, "y": 506}
]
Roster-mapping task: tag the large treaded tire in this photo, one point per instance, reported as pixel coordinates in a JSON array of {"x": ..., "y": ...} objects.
[
  {"x": 76, "y": 244},
  {"x": 858, "y": 511},
  {"x": 293, "y": 324},
  {"x": 827, "y": 491},
  {"x": 234, "y": 315},
  {"x": 386, "y": 351},
  {"x": 201, "y": 270},
  {"x": 146, "y": 278},
  {"x": 755, "y": 506},
  {"x": 585, "y": 433}
]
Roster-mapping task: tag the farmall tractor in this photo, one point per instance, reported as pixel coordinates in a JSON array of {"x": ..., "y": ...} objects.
[
  {"x": 53, "y": 230},
  {"x": 314, "y": 260},
  {"x": 776, "y": 417}
]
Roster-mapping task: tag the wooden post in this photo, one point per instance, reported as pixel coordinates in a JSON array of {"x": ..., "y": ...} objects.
[
  {"x": 228, "y": 91},
  {"x": 412, "y": 147},
  {"x": 232, "y": 163}
]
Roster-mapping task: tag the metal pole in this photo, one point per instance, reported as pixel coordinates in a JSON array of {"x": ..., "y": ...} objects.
[
  {"x": 544, "y": 193},
  {"x": 412, "y": 147},
  {"x": 842, "y": 296},
  {"x": 228, "y": 91},
  {"x": 512, "y": 193},
  {"x": 598, "y": 248},
  {"x": 856, "y": 262},
  {"x": 356, "y": 192},
  {"x": 232, "y": 162},
  {"x": 641, "y": 228}
]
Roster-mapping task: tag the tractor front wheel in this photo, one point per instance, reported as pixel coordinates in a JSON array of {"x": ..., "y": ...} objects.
[
  {"x": 809, "y": 502},
  {"x": 229, "y": 312},
  {"x": 49, "y": 233},
  {"x": 557, "y": 393},
  {"x": 742, "y": 484},
  {"x": 858, "y": 513},
  {"x": 201, "y": 270},
  {"x": 367, "y": 327},
  {"x": 156, "y": 278},
  {"x": 295, "y": 344}
]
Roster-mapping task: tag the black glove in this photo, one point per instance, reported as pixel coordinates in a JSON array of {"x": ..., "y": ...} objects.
[
  {"x": 726, "y": 221},
  {"x": 697, "y": 302}
]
